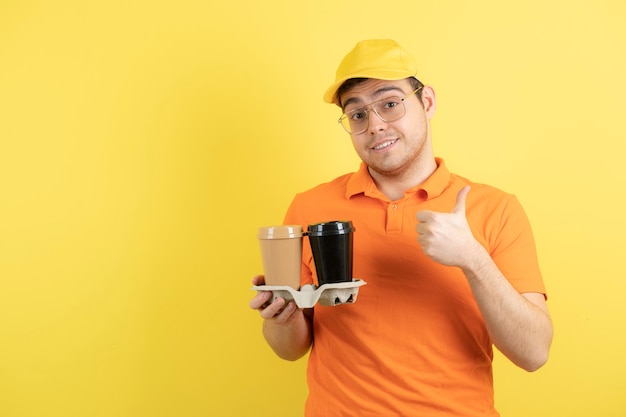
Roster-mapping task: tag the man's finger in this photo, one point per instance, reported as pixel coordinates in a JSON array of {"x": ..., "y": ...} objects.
[
  {"x": 424, "y": 215},
  {"x": 258, "y": 280},
  {"x": 459, "y": 207}
]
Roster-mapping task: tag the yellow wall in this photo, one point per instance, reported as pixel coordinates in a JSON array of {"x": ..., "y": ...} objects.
[{"x": 142, "y": 143}]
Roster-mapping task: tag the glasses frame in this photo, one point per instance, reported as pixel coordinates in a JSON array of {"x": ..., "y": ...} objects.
[{"x": 369, "y": 107}]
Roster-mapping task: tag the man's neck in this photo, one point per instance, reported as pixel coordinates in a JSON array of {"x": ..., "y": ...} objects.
[{"x": 393, "y": 186}]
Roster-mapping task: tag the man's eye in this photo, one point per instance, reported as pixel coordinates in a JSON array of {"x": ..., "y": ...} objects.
[
  {"x": 391, "y": 103},
  {"x": 357, "y": 115}
]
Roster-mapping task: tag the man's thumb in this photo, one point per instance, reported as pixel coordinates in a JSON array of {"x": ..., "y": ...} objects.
[{"x": 459, "y": 207}]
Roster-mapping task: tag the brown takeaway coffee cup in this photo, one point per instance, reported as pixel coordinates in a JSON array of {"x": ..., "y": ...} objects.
[{"x": 281, "y": 251}]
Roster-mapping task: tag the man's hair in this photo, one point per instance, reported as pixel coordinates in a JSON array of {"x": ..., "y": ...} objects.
[{"x": 348, "y": 84}]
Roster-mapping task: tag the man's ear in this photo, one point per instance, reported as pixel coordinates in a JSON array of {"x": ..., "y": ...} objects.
[{"x": 428, "y": 101}]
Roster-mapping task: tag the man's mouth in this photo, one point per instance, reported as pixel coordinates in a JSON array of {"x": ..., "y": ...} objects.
[{"x": 384, "y": 144}]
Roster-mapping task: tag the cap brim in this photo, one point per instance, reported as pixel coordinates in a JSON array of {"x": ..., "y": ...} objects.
[{"x": 330, "y": 96}]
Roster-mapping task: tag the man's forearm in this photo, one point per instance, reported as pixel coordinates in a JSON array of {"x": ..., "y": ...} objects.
[
  {"x": 290, "y": 340},
  {"x": 519, "y": 324}
]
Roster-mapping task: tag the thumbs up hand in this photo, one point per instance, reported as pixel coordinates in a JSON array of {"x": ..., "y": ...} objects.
[{"x": 446, "y": 238}]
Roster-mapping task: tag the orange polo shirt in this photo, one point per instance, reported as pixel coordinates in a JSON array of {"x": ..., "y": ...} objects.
[{"x": 414, "y": 343}]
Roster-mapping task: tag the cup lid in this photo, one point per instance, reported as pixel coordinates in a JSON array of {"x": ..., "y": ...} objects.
[
  {"x": 280, "y": 232},
  {"x": 335, "y": 227}
]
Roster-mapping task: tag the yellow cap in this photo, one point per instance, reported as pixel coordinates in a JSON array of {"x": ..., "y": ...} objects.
[{"x": 382, "y": 59}]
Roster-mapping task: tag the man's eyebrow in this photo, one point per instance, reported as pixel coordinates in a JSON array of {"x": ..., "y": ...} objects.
[{"x": 377, "y": 93}]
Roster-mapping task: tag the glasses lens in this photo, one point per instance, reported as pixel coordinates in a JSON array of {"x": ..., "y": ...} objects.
[
  {"x": 390, "y": 109},
  {"x": 345, "y": 122},
  {"x": 355, "y": 121}
]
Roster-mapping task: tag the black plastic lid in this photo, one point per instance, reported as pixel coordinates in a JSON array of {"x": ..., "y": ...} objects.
[{"x": 335, "y": 227}]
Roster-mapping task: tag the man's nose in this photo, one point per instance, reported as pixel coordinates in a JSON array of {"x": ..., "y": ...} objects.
[{"x": 375, "y": 123}]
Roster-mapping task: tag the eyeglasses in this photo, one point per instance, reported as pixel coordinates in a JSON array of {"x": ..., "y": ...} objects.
[{"x": 388, "y": 109}]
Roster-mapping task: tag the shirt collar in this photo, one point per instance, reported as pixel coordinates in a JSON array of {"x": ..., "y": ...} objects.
[{"x": 362, "y": 183}]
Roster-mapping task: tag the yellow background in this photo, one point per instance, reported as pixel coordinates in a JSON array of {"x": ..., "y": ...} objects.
[{"x": 143, "y": 142}]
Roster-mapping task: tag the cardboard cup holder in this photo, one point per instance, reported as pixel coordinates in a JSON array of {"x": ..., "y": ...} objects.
[{"x": 332, "y": 294}]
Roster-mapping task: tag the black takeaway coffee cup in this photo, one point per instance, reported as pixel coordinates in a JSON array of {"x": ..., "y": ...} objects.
[{"x": 331, "y": 244}]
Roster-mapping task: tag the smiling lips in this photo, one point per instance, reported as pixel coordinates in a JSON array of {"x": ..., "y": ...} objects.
[{"x": 384, "y": 144}]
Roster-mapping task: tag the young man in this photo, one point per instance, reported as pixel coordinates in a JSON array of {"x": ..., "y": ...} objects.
[{"x": 450, "y": 265}]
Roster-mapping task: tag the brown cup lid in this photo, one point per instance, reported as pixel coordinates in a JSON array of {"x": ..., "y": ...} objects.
[{"x": 288, "y": 231}]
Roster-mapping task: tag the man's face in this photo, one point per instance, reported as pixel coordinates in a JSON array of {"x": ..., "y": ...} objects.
[{"x": 391, "y": 148}]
